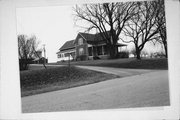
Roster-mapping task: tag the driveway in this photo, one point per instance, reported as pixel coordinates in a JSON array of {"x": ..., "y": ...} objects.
[
  {"x": 123, "y": 72},
  {"x": 149, "y": 88}
]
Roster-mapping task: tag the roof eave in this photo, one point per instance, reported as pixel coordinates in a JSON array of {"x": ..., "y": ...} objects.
[{"x": 67, "y": 49}]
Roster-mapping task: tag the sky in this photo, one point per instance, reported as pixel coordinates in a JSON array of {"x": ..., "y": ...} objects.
[{"x": 52, "y": 26}]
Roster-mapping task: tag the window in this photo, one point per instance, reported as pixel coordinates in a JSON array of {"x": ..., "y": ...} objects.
[
  {"x": 80, "y": 41},
  {"x": 81, "y": 51},
  {"x": 59, "y": 55},
  {"x": 62, "y": 55},
  {"x": 66, "y": 55}
]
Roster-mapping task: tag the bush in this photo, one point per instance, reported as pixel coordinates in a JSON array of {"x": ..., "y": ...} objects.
[
  {"x": 81, "y": 58},
  {"x": 123, "y": 55},
  {"x": 158, "y": 55},
  {"x": 24, "y": 63},
  {"x": 96, "y": 58}
]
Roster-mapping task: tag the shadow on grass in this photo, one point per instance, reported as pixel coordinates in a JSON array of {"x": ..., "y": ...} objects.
[{"x": 58, "y": 78}]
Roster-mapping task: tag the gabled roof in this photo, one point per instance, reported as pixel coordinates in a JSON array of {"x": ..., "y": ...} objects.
[
  {"x": 90, "y": 38},
  {"x": 68, "y": 45},
  {"x": 93, "y": 37},
  {"x": 87, "y": 36},
  {"x": 99, "y": 37}
]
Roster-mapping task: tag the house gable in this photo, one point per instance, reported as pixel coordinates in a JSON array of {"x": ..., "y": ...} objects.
[
  {"x": 81, "y": 45},
  {"x": 79, "y": 37},
  {"x": 91, "y": 38},
  {"x": 85, "y": 36}
]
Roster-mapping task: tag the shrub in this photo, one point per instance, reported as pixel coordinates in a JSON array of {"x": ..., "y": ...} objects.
[
  {"x": 123, "y": 54},
  {"x": 96, "y": 58},
  {"x": 159, "y": 55},
  {"x": 24, "y": 63},
  {"x": 81, "y": 57}
]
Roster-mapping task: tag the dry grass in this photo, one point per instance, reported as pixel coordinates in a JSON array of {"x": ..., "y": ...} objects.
[
  {"x": 57, "y": 78},
  {"x": 146, "y": 63}
]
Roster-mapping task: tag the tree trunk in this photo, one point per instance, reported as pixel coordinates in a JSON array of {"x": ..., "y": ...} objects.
[
  {"x": 112, "y": 51},
  {"x": 165, "y": 47},
  {"x": 138, "y": 53}
]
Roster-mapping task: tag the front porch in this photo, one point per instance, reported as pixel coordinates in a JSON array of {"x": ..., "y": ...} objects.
[{"x": 102, "y": 51}]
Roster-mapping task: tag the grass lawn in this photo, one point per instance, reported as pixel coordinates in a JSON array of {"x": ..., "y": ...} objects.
[
  {"x": 39, "y": 67},
  {"x": 146, "y": 63},
  {"x": 57, "y": 78}
]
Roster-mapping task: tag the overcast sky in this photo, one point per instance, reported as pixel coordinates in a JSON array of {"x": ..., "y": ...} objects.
[{"x": 53, "y": 26}]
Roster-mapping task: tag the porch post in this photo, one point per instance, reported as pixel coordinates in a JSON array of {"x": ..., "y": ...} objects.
[
  {"x": 102, "y": 49},
  {"x": 92, "y": 51}
]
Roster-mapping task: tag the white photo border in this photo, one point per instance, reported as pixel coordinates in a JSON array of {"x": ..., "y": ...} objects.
[{"x": 10, "y": 100}]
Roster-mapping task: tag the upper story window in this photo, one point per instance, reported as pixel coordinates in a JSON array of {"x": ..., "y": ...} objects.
[
  {"x": 80, "y": 41},
  {"x": 81, "y": 51}
]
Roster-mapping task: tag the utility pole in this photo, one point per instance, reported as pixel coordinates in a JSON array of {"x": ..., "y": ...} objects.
[{"x": 44, "y": 49}]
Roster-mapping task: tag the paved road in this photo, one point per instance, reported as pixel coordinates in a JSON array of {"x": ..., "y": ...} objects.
[{"x": 147, "y": 89}]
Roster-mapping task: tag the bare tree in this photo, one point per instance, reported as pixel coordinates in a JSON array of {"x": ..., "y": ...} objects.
[
  {"x": 34, "y": 39},
  {"x": 142, "y": 27},
  {"x": 108, "y": 18},
  {"x": 161, "y": 23},
  {"x": 27, "y": 48}
]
